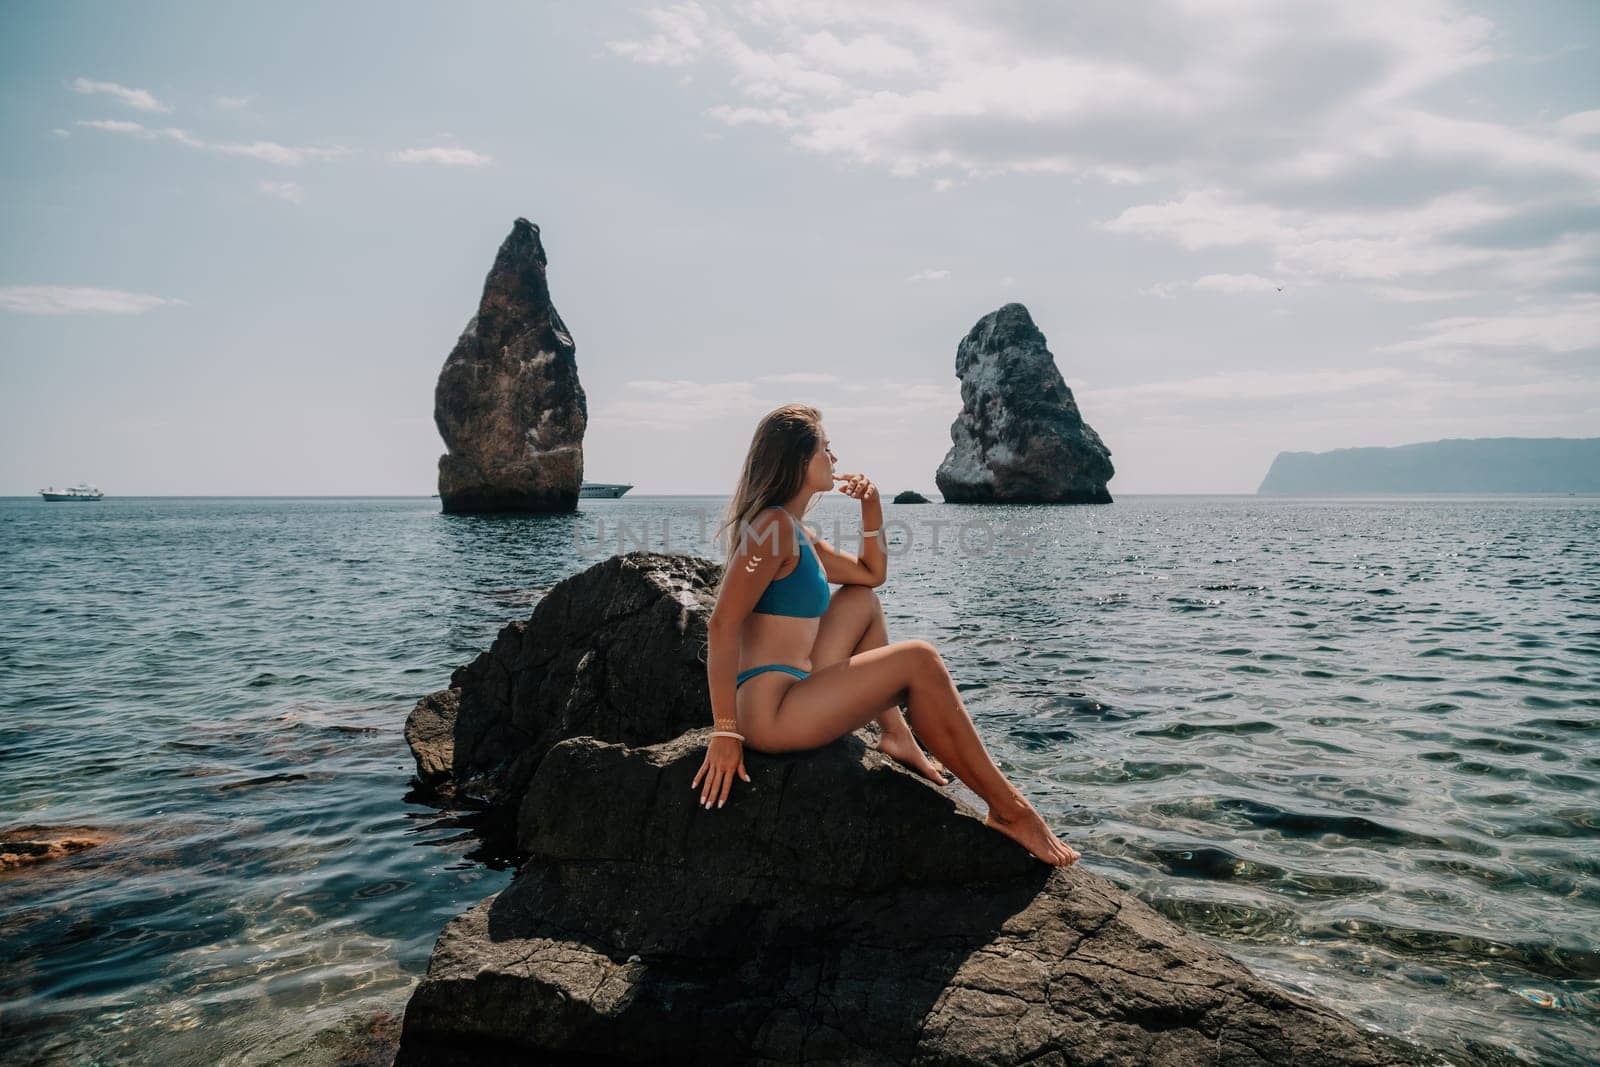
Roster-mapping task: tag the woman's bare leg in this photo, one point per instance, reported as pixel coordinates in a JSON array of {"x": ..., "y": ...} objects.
[
  {"x": 846, "y": 695},
  {"x": 854, "y": 623}
]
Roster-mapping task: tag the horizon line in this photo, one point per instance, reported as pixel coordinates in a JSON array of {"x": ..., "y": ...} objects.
[{"x": 634, "y": 496}]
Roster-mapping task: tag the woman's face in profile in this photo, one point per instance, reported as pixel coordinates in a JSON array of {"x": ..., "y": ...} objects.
[{"x": 819, "y": 474}]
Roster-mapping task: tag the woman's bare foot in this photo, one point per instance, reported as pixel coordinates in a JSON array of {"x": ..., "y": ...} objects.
[
  {"x": 1027, "y": 827},
  {"x": 903, "y": 747}
]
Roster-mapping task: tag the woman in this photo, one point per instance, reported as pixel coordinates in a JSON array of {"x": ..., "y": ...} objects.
[{"x": 810, "y": 667}]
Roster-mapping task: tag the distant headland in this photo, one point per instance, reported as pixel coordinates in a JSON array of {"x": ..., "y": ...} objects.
[{"x": 1454, "y": 465}]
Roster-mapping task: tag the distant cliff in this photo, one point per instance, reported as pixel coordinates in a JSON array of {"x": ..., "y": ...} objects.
[{"x": 1457, "y": 465}]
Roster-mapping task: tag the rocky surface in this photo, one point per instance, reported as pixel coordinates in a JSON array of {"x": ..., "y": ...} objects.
[
  {"x": 615, "y": 652},
  {"x": 1019, "y": 438},
  {"x": 909, "y": 496},
  {"x": 839, "y": 908},
  {"x": 508, "y": 402}
]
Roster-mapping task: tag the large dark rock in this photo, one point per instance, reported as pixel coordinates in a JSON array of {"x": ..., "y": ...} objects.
[
  {"x": 839, "y": 908},
  {"x": 508, "y": 403},
  {"x": 1019, "y": 438},
  {"x": 615, "y": 652}
]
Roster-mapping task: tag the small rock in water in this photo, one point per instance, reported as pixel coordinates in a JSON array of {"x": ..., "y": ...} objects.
[{"x": 26, "y": 846}]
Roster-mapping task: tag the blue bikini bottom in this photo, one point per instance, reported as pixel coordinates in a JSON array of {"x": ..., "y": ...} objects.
[{"x": 746, "y": 675}]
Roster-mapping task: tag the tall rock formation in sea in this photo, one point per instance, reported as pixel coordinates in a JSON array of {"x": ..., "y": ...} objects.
[
  {"x": 508, "y": 403},
  {"x": 1019, "y": 438}
]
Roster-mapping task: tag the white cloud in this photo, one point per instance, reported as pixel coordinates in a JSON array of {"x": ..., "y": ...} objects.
[
  {"x": 1415, "y": 242},
  {"x": 684, "y": 33},
  {"x": 1579, "y": 124},
  {"x": 138, "y": 99},
  {"x": 747, "y": 116},
  {"x": 677, "y": 39},
  {"x": 1571, "y": 328},
  {"x": 1232, "y": 284},
  {"x": 929, "y": 274},
  {"x": 443, "y": 156},
  {"x": 1300, "y": 128},
  {"x": 266, "y": 151},
  {"x": 902, "y": 402},
  {"x": 678, "y": 403},
  {"x": 1403, "y": 295},
  {"x": 1255, "y": 414},
  {"x": 283, "y": 155},
  {"x": 801, "y": 378},
  {"x": 866, "y": 54},
  {"x": 1236, "y": 283},
  {"x": 233, "y": 103},
  {"x": 136, "y": 129},
  {"x": 59, "y": 132},
  {"x": 290, "y": 191},
  {"x": 960, "y": 85},
  {"x": 1486, "y": 147},
  {"x": 1241, "y": 385},
  {"x": 78, "y": 300}
]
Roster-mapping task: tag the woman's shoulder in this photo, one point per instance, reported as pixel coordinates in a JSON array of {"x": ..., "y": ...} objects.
[{"x": 768, "y": 529}]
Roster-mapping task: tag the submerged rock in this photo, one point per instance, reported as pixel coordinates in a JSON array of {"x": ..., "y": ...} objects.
[
  {"x": 838, "y": 908},
  {"x": 508, "y": 402},
  {"x": 1019, "y": 438},
  {"x": 22, "y": 847}
]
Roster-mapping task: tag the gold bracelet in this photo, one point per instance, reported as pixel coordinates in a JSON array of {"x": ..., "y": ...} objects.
[
  {"x": 728, "y": 733},
  {"x": 871, "y": 533},
  {"x": 726, "y": 724}
]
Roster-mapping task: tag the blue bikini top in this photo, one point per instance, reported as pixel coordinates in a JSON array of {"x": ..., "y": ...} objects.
[{"x": 804, "y": 591}]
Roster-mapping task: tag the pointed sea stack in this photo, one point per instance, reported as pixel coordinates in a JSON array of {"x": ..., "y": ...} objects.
[
  {"x": 1019, "y": 438},
  {"x": 509, "y": 404}
]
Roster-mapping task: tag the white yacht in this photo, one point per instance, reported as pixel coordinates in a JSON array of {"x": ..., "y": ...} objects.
[
  {"x": 591, "y": 490},
  {"x": 81, "y": 491}
]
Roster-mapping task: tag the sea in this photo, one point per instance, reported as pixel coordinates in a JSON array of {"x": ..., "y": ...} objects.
[{"x": 1353, "y": 742}]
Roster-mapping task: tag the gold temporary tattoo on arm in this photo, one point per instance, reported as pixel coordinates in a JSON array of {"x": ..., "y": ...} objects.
[{"x": 750, "y": 568}]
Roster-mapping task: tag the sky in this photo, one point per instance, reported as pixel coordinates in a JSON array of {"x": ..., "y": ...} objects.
[{"x": 240, "y": 239}]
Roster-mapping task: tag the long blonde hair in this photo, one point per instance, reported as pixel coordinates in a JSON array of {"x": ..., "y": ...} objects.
[{"x": 774, "y": 470}]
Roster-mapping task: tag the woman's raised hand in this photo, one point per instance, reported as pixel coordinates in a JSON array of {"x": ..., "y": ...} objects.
[
  {"x": 724, "y": 759},
  {"x": 856, "y": 485}
]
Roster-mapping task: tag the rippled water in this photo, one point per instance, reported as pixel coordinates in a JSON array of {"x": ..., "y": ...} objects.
[{"x": 1356, "y": 742}]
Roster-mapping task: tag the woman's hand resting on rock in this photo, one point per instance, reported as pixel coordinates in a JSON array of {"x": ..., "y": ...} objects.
[{"x": 724, "y": 759}]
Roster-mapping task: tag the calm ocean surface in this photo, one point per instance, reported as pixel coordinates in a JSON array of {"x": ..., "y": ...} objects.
[{"x": 1355, "y": 742}]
